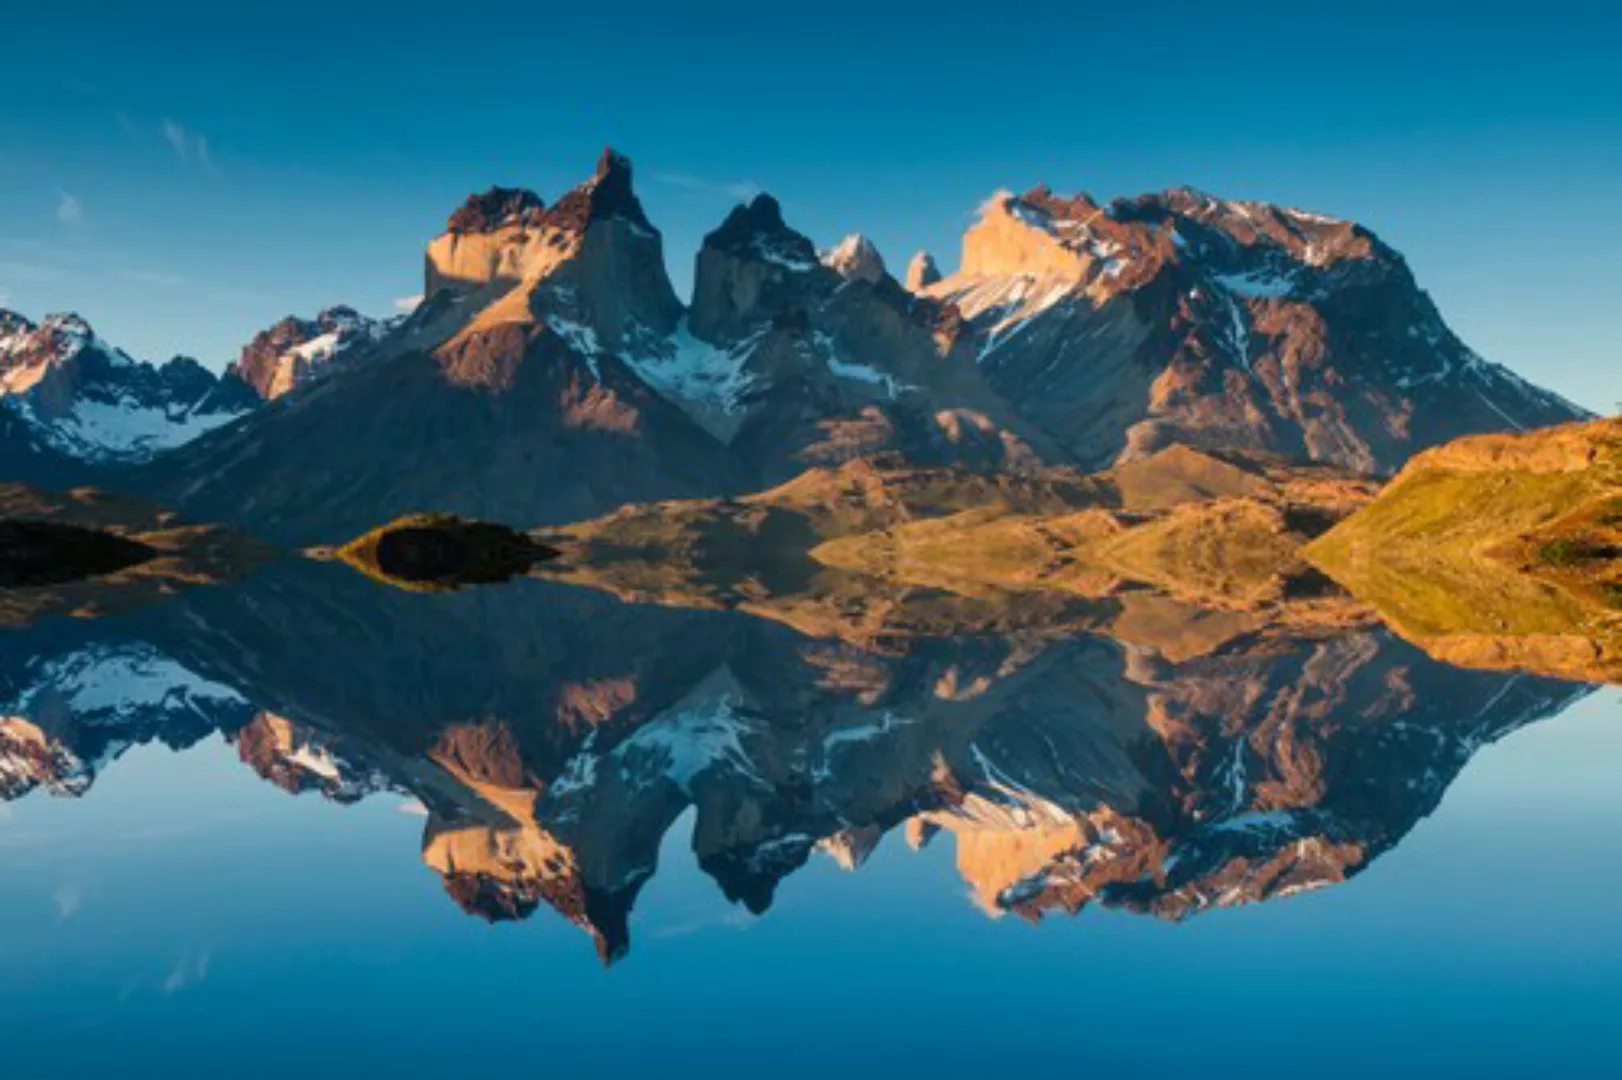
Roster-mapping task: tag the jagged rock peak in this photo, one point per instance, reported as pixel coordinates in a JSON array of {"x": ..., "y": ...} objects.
[
  {"x": 12, "y": 323},
  {"x": 608, "y": 194},
  {"x": 922, "y": 271},
  {"x": 756, "y": 231},
  {"x": 1310, "y": 238},
  {"x": 495, "y": 209},
  {"x": 56, "y": 339},
  {"x": 855, "y": 257},
  {"x": 295, "y": 352}
]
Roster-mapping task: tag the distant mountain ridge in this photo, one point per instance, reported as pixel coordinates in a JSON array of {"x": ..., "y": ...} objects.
[
  {"x": 296, "y": 352},
  {"x": 551, "y": 373},
  {"x": 71, "y": 398}
]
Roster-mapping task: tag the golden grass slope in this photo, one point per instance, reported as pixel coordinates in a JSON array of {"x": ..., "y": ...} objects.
[
  {"x": 1218, "y": 532},
  {"x": 1498, "y": 551}
]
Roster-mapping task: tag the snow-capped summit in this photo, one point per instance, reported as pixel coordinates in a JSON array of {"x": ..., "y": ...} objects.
[
  {"x": 91, "y": 402},
  {"x": 855, "y": 257},
  {"x": 296, "y": 352}
]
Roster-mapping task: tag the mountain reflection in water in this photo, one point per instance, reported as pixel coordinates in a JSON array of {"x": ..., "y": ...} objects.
[{"x": 554, "y": 735}]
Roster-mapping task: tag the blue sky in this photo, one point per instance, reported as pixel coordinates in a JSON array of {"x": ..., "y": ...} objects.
[{"x": 185, "y": 174}]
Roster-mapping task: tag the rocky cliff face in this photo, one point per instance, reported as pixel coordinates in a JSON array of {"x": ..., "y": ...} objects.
[
  {"x": 817, "y": 361},
  {"x": 67, "y": 396},
  {"x": 1184, "y": 318},
  {"x": 296, "y": 352},
  {"x": 503, "y": 396}
]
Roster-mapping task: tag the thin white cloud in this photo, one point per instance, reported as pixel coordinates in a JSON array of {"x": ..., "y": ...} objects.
[
  {"x": 189, "y": 146},
  {"x": 408, "y": 304},
  {"x": 187, "y": 971},
  {"x": 740, "y": 190},
  {"x": 68, "y": 900},
  {"x": 69, "y": 210},
  {"x": 178, "y": 138}
]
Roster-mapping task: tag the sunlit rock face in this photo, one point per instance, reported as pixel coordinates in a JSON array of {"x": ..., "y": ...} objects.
[
  {"x": 1179, "y": 317},
  {"x": 515, "y": 360},
  {"x": 922, "y": 272},
  {"x": 593, "y": 261},
  {"x": 855, "y": 258},
  {"x": 295, "y": 352}
]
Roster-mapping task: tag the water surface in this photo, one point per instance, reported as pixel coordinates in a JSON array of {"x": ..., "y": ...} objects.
[{"x": 308, "y": 825}]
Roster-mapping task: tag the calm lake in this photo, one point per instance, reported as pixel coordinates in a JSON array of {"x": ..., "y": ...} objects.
[{"x": 308, "y": 825}]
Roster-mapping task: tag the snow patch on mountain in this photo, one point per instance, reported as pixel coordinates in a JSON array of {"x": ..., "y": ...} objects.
[
  {"x": 693, "y": 372},
  {"x": 1258, "y": 284},
  {"x": 122, "y": 430},
  {"x": 86, "y": 399},
  {"x": 113, "y": 683},
  {"x": 687, "y": 742},
  {"x": 780, "y": 256}
]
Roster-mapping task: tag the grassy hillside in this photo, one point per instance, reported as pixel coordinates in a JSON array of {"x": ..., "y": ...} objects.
[{"x": 1498, "y": 550}]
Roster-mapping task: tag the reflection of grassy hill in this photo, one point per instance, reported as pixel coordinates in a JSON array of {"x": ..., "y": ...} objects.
[
  {"x": 1498, "y": 550},
  {"x": 871, "y": 550},
  {"x": 431, "y": 552},
  {"x": 86, "y": 552}
]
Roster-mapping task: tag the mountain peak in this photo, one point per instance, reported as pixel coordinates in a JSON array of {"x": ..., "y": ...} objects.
[
  {"x": 760, "y": 216},
  {"x": 609, "y": 193},
  {"x": 922, "y": 271},
  {"x": 855, "y": 257},
  {"x": 611, "y": 161},
  {"x": 752, "y": 267},
  {"x": 93, "y": 403},
  {"x": 295, "y": 352},
  {"x": 497, "y": 208},
  {"x": 12, "y": 323},
  {"x": 1312, "y": 239},
  {"x": 757, "y": 232},
  {"x": 508, "y": 235},
  {"x": 28, "y": 350},
  {"x": 1040, "y": 234}
]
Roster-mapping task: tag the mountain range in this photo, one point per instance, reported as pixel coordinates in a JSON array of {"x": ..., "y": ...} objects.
[
  {"x": 551, "y": 373},
  {"x": 71, "y": 402}
]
